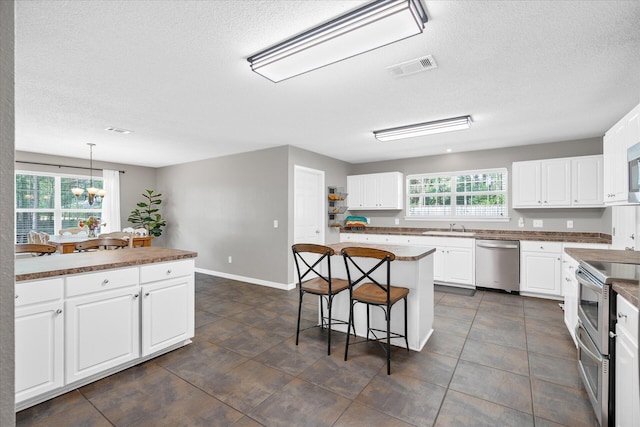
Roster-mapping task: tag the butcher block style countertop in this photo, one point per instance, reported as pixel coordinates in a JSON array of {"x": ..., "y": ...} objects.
[
  {"x": 629, "y": 290},
  {"x": 544, "y": 236},
  {"x": 402, "y": 253},
  {"x": 58, "y": 265}
]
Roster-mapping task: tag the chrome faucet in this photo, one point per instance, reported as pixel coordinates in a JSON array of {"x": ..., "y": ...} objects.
[{"x": 451, "y": 227}]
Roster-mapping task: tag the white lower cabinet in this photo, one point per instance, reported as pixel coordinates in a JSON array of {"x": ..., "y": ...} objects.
[
  {"x": 72, "y": 330},
  {"x": 102, "y": 331},
  {"x": 540, "y": 268},
  {"x": 627, "y": 394},
  {"x": 167, "y": 305},
  {"x": 453, "y": 265},
  {"x": 39, "y": 339}
]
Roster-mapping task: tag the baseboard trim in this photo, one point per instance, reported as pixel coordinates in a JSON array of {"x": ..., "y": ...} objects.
[{"x": 283, "y": 286}]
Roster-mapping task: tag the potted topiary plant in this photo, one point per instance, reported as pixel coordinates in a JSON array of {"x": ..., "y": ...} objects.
[{"x": 147, "y": 214}]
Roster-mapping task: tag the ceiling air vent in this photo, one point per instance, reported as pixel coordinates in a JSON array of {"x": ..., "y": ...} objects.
[
  {"x": 118, "y": 130},
  {"x": 417, "y": 65}
]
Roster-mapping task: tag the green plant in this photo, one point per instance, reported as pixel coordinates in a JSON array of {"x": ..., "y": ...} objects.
[{"x": 147, "y": 214}]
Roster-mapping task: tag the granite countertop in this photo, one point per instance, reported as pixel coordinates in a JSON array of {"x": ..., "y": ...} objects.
[
  {"x": 402, "y": 252},
  {"x": 58, "y": 265},
  {"x": 628, "y": 290},
  {"x": 546, "y": 236}
]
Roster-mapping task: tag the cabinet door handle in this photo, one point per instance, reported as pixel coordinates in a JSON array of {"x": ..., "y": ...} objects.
[
  {"x": 575, "y": 201},
  {"x": 105, "y": 281},
  {"x": 59, "y": 311},
  {"x": 146, "y": 294},
  {"x": 17, "y": 296},
  {"x": 621, "y": 315},
  {"x": 168, "y": 271}
]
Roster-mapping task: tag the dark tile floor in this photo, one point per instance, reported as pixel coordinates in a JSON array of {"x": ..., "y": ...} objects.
[{"x": 493, "y": 360}]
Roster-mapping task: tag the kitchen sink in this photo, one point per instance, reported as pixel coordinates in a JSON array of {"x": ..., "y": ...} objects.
[{"x": 450, "y": 233}]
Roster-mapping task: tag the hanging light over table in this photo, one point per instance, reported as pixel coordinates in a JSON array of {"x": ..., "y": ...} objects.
[{"x": 93, "y": 194}]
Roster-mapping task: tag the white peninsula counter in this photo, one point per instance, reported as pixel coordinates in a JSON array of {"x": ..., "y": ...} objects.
[
  {"x": 83, "y": 316},
  {"x": 413, "y": 269}
]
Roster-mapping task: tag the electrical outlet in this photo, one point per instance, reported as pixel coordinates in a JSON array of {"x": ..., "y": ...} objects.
[
  {"x": 397, "y": 221},
  {"x": 230, "y": 259},
  {"x": 537, "y": 223},
  {"x": 275, "y": 223},
  {"x": 569, "y": 224},
  {"x": 520, "y": 222}
]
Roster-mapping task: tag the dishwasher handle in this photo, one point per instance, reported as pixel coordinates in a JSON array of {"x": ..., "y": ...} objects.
[{"x": 497, "y": 245}]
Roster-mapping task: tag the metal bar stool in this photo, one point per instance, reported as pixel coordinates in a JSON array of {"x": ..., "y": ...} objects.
[
  {"x": 376, "y": 294},
  {"x": 308, "y": 258}
]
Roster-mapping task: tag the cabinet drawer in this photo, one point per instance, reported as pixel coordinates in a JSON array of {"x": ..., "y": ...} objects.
[
  {"x": 534, "y": 246},
  {"x": 627, "y": 317},
  {"x": 101, "y": 281},
  {"x": 39, "y": 291},
  {"x": 167, "y": 270}
]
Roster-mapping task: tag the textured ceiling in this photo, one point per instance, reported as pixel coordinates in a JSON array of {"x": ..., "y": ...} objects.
[{"x": 175, "y": 72}]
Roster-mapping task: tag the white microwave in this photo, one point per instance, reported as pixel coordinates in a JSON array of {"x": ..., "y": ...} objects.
[{"x": 633, "y": 158}]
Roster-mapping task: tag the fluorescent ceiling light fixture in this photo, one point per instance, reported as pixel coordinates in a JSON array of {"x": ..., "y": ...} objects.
[
  {"x": 371, "y": 26},
  {"x": 410, "y": 131}
]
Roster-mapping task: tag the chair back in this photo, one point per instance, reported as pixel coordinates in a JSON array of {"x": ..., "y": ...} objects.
[
  {"x": 356, "y": 273},
  {"x": 38, "y": 237},
  {"x": 306, "y": 267},
  {"x": 127, "y": 237},
  {"x": 101, "y": 244},
  {"x": 73, "y": 230},
  {"x": 35, "y": 249}
]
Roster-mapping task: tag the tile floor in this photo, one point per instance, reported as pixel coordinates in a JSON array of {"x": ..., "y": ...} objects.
[{"x": 493, "y": 360}]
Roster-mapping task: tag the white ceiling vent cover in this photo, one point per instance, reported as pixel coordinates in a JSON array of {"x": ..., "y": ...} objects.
[
  {"x": 118, "y": 130},
  {"x": 417, "y": 65}
]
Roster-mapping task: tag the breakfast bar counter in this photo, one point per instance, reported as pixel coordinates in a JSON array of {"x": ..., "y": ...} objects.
[{"x": 413, "y": 269}]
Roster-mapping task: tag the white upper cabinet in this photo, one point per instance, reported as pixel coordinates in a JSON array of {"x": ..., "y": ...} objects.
[
  {"x": 558, "y": 183},
  {"x": 617, "y": 140},
  {"x": 587, "y": 181},
  {"x": 375, "y": 191}
]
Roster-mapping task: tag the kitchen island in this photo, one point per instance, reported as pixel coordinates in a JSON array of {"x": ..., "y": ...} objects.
[
  {"x": 83, "y": 316},
  {"x": 413, "y": 269}
]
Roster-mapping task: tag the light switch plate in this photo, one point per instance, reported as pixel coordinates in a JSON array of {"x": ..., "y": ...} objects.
[
  {"x": 397, "y": 221},
  {"x": 537, "y": 223},
  {"x": 569, "y": 224}
]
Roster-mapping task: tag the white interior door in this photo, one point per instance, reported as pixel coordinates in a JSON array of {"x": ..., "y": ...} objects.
[{"x": 309, "y": 205}]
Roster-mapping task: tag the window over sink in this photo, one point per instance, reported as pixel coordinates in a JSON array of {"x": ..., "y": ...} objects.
[{"x": 477, "y": 194}]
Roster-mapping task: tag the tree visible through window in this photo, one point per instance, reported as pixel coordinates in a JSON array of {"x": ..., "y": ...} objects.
[
  {"x": 480, "y": 194},
  {"x": 44, "y": 202}
]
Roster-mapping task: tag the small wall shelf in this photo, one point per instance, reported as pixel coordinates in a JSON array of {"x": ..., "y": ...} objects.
[{"x": 337, "y": 206}]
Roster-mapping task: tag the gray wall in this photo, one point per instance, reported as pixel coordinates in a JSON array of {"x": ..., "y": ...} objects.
[
  {"x": 7, "y": 280},
  {"x": 586, "y": 220},
  {"x": 133, "y": 182},
  {"x": 225, "y": 207}
]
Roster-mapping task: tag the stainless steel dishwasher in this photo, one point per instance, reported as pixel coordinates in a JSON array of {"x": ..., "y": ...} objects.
[{"x": 498, "y": 264}]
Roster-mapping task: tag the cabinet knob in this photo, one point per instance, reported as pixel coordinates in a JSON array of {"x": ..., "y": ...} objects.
[
  {"x": 541, "y": 247},
  {"x": 17, "y": 296},
  {"x": 168, "y": 271},
  {"x": 146, "y": 294},
  {"x": 59, "y": 311},
  {"x": 105, "y": 281},
  {"x": 136, "y": 296},
  {"x": 575, "y": 201}
]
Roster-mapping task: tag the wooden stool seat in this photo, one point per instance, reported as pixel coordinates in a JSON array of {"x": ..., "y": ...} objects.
[
  {"x": 319, "y": 286},
  {"x": 373, "y": 294}
]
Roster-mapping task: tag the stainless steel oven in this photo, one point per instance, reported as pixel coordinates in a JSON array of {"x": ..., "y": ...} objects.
[{"x": 594, "y": 332}]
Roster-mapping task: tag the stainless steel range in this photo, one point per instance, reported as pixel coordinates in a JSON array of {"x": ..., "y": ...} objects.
[{"x": 595, "y": 332}]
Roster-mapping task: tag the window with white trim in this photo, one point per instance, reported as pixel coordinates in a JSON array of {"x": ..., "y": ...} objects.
[
  {"x": 44, "y": 202},
  {"x": 477, "y": 194}
]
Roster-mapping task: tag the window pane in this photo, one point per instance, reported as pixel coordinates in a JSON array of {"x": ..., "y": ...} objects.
[
  {"x": 35, "y": 192},
  {"x": 415, "y": 186},
  {"x": 27, "y": 221}
]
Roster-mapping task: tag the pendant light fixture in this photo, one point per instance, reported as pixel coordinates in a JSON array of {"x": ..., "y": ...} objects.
[{"x": 93, "y": 194}]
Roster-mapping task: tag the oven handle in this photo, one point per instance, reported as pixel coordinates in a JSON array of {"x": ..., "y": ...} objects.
[
  {"x": 584, "y": 347},
  {"x": 587, "y": 282}
]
